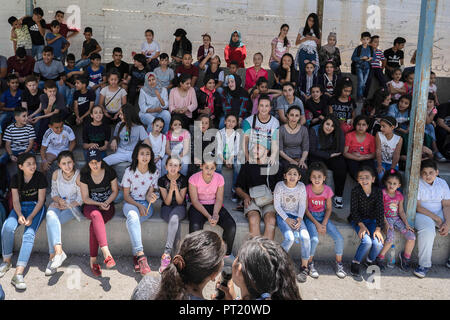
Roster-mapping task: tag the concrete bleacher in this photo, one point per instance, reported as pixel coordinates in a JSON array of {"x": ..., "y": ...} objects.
[{"x": 75, "y": 235}]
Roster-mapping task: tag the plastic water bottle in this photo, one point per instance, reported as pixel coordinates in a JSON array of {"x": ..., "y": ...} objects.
[
  {"x": 391, "y": 257},
  {"x": 297, "y": 236},
  {"x": 75, "y": 211}
]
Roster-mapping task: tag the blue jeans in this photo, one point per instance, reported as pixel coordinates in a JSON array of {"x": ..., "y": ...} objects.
[
  {"x": 55, "y": 218},
  {"x": 97, "y": 95},
  {"x": 134, "y": 220},
  {"x": 274, "y": 65},
  {"x": 10, "y": 226},
  {"x": 386, "y": 166},
  {"x": 82, "y": 63},
  {"x": 61, "y": 89},
  {"x": 2, "y": 293},
  {"x": 236, "y": 169},
  {"x": 69, "y": 96},
  {"x": 331, "y": 230},
  {"x": 368, "y": 243},
  {"x": 36, "y": 51},
  {"x": 363, "y": 75},
  {"x": 288, "y": 235},
  {"x": 147, "y": 119},
  {"x": 4, "y": 159},
  {"x": 303, "y": 55},
  {"x": 429, "y": 130}
]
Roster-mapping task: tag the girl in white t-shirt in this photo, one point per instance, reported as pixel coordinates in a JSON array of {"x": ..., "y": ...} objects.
[
  {"x": 158, "y": 142},
  {"x": 139, "y": 182},
  {"x": 388, "y": 146},
  {"x": 396, "y": 87},
  {"x": 113, "y": 96},
  {"x": 151, "y": 50},
  {"x": 309, "y": 39}
]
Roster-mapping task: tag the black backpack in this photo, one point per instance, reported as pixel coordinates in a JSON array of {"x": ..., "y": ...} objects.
[{"x": 358, "y": 52}]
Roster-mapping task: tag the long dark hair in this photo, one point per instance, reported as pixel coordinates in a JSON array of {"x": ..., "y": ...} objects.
[
  {"x": 377, "y": 101},
  {"x": 281, "y": 71},
  {"x": 315, "y": 27},
  {"x": 134, "y": 162},
  {"x": 67, "y": 154},
  {"x": 86, "y": 170},
  {"x": 267, "y": 268},
  {"x": 335, "y": 135},
  {"x": 341, "y": 84},
  {"x": 20, "y": 161},
  {"x": 202, "y": 254},
  {"x": 286, "y": 41},
  {"x": 131, "y": 116}
]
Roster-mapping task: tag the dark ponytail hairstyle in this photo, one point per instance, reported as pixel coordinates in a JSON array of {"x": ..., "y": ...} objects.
[
  {"x": 267, "y": 269},
  {"x": 201, "y": 254},
  {"x": 286, "y": 41},
  {"x": 134, "y": 158}
]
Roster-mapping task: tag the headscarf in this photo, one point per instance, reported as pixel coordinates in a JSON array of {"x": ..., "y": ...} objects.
[
  {"x": 209, "y": 93},
  {"x": 327, "y": 47},
  {"x": 237, "y": 44},
  {"x": 149, "y": 90},
  {"x": 236, "y": 92}
]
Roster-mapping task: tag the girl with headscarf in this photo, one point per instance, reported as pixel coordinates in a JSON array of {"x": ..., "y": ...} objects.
[
  {"x": 330, "y": 53},
  {"x": 235, "y": 50},
  {"x": 180, "y": 46},
  {"x": 234, "y": 100},
  {"x": 209, "y": 100},
  {"x": 309, "y": 40},
  {"x": 153, "y": 102}
]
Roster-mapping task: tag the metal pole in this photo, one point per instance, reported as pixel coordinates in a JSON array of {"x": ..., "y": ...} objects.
[
  {"x": 419, "y": 104},
  {"x": 320, "y": 13},
  {"x": 29, "y": 7}
]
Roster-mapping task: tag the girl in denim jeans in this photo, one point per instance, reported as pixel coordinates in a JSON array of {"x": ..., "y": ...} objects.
[
  {"x": 139, "y": 182},
  {"x": 290, "y": 204},
  {"x": 28, "y": 191},
  {"x": 317, "y": 218}
]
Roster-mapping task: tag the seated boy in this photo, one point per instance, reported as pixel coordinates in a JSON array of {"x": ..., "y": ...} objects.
[
  {"x": 83, "y": 100},
  {"x": 9, "y": 100},
  {"x": 71, "y": 72},
  {"x": 19, "y": 137},
  {"x": 164, "y": 74},
  {"x": 90, "y": 47},
  {"x": 187, "y": 67},
  {"x": 21, "y": 65},
  {"x": 119, "y": 65},
  {"x": 57, "y": 138},
  {"x": 50, "y": 69},
  {"x": 96, "y": 75}
]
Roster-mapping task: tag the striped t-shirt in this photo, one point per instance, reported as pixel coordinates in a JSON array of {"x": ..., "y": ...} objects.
[
  {"x": 376, "y": 61},
  {"x": 19, "y": 136}
]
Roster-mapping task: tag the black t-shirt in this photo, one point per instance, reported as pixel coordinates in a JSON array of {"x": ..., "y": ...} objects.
[
  {"x": 393, "y": 58},
  {"x": 122, "y": 68},
  {"x": 89, "y": 46},
  {"x": 182, "y": 183},
  {"x": 252, "y": 175},
  {"x": 138, "y": 76},
  {"x": 32, "y": 101},
  {"x": 96, "y": 134},
  {"x": 36, "y": 38},
  {"x": 100, "y": 192},
  {"x": 29, "y": 191},
  {"x": 317, "y": 109},
  {"x": 342, "y": 110},
  {"x": 281, "y": 74},
  {"x": 83, "y": 100},
  {"x": 444, "y": 112}
]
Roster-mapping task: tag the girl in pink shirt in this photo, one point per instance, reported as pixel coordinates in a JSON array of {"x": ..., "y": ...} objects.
[
  {"x": 183, "y": 100},
  {"x": 206, "y": 190},
  {"x": 252, "y": 74},
  {"x": 178, "y": 144}
]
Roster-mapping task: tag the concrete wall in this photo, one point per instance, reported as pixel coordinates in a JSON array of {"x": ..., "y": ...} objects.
[{"x": 122, "y": 23}]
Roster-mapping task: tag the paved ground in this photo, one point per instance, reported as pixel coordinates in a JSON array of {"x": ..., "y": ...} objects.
[{"x": 74, "y": 281}]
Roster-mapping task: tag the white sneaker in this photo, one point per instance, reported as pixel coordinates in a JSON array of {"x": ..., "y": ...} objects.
[
  {"x": 4, "y": 267},
  {"x": 18, "y": 282},
  {"x": 58, "y": 260},
  {"x": 49, "y": 270}
]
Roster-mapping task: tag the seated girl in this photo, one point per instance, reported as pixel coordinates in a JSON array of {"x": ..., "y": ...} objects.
[
  {"x": 209, "y": 101},
  {"x": 178, "y": 144},
  {"x": 183, "y": 100},
  {"x": 286, "y": 71},
  {"x": 262, "y": 87}
]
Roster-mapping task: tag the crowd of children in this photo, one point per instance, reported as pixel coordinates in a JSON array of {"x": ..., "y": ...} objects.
[{"x": 309, "y": 117}]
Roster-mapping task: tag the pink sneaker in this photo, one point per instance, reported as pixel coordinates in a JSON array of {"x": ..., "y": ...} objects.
[{"x": 165, "y": 261}]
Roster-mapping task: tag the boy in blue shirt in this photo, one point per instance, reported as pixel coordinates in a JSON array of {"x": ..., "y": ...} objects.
[
  {"x": 361, "y": 57},
  {"x": 9, "y": 100},
  {"x": 57, "y": 41},
  {"x": 96, "y": 75}
]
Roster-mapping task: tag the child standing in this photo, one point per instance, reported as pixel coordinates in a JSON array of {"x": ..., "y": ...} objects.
[
  {"x": 57, "y": 41},
  {"x": 388, "y": 145},
  {"x": 290, "y": 204},
  {"x": 158, "y": 142},
  {"x": 395, "y": 218},
  {"x": 317, "y": 218},
  {"x": 432, "y": 212},
  {"x": 376, "y": 65},
  {"x": 139, "y": 182},
  {"x": 113, "y": 96},
  {"x": 361, "y": 58},
  {"x": 96, "y": 134},
  {"x": 342, "y": 104},
  {"x": 367, "y": 218},
  {"x": 57, "y": 138},
  {"x": 90, "y": 47},
  {"x": 395, "y": 56},
  {"x": 20, "y": 36},
  {"x": 84, "y": 100},
  {"x": 396, "y": 86},
  {"x": 28, "y": 194},
  {"x": 96, "y": 74},
  {"x": 9, "y": 100},
  {"x": 150, "y": 48}
]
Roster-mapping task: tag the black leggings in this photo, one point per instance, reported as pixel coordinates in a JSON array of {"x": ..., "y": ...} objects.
[
  {"x": 339, "y": 168},
  {"x": 226, "y": 221}
]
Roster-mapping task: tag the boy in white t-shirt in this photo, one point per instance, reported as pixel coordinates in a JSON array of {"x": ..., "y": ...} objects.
[
  {"x": 57, "y": 138},
  {"x": 433, "y": 204}
]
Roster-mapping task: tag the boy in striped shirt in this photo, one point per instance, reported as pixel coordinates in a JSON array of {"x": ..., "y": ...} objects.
[
  {"x": 19, "y": 136},
  {"x": 376, "y": 65}
]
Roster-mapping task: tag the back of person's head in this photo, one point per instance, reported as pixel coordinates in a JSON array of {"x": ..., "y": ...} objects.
[
  {"x": 56, "y": 118},
  {"x": 163, "y": 56},
  {"x": 267, "y": 270},
  {"x": 95, "y": 56},
  {"x": 11, "y": 20},
  {"x": 21, "y": 52},
  {"x": 88, "y": 30},
  {"x": 38, "y": 11},
  {"x": 399, "y": 40},
  {"x": 50, "y": 84},
  {"x": 48, "y": 49},
  {"x": 200, "y": 256}
]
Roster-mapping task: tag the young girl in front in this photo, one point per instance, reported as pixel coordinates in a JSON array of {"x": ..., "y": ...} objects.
[
  {"x": 28, "y": 196},
  {"x": 113, "y": 96},
  {"x": 367, "y": 218},
  {"x": 206, "y": 189},
  {"x": 317, "y": 218},
  {"x": 178, "y": 143},
  {"x": 400, "y": 112},
  {"x": 128, "y": 132},
  {"x": 359, "y": 146},
  {"x": 158, "y": 142},
  {"x": 388, "y": 146},
  {"x": 289, "y": 200},
  {"x": 228, "y": 144},
  {"x": 396, "y": 87},
  {"x": 66, "y": 205},
  {"x": 262, "y": 87},
  {"x": 395, "y": 218},
  {"x": 99, "y": 189},
  {"x": 342, "y": 104},
  {"x": 139, "y": 182},
  {"x": 172, "y": 187},
  {"x": 96, "y": 134}
]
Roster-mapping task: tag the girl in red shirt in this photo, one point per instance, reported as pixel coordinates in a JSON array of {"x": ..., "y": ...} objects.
[{"x": 235, "y": 50}]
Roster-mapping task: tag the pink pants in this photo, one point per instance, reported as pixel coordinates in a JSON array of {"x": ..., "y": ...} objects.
[{"x": 97, "y": 231}]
